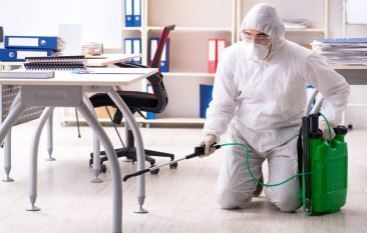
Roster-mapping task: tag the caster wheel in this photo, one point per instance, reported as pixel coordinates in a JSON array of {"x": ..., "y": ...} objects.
[
  {"x": 103, "y": 168},
  {"x": 350, "y": 127},
  {"x": 154, "y": 172},
  {"x": 90, "y": 162},
  {"x": 173, "y": 165}
]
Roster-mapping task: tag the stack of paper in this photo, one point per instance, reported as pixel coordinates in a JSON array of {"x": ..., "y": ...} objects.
[
  {"x": 344, "y": 51},
  {"x": 295, "y": 23},
  {"x": 92, "y": 49},
  {"x": 25, "y": 74}
]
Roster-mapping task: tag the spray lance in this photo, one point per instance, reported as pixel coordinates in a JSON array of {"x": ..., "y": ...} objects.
[{"x": 198, "y": 151}]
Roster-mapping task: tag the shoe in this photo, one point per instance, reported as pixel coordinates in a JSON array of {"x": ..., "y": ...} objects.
[{"x": 259, "y": 187}]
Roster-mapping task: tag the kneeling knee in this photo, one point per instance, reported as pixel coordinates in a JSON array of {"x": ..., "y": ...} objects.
[
  {"x": 287, "y": 206},
  {"x": 230, "y": 200}
]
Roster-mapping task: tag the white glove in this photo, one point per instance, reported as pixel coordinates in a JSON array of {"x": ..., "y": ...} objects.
[
  {"x": 325, "y": 130},
  {"x": 208, "y": 141}
]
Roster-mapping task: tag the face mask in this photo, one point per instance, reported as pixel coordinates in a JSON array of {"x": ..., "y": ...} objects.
[{"x": 256, "y": 52}]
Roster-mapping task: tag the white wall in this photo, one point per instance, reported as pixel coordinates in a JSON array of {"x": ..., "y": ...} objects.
[{"x": 101, "y": 19}]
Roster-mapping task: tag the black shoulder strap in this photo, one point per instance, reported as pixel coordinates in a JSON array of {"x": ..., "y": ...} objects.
[{"x": 300, "y": 154}]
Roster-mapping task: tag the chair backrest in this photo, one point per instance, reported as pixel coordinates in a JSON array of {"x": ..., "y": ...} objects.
[
  {"x": 156, "y": 61},
  {"x": 160, "y": 93},
  {"x": 155, "y": 80}
]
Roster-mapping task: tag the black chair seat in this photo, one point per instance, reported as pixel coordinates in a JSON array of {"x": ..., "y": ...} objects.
[{"x": 133, "y": 99}]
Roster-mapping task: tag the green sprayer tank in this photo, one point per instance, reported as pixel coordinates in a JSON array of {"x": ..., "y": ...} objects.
[{"x": 325, "y": 164}]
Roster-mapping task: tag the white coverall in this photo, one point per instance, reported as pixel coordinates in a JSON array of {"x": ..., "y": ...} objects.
[{"x": 262, "y": 103}]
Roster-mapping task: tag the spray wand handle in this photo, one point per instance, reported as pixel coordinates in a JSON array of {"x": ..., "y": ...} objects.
[{"x": 200, "y": 150}]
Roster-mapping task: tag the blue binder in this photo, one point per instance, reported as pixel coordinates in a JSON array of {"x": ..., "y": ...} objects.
[
  {"x": 21, "y": 54},
  {"x": 137, "y": 50},
  {"x": 129, "y": 20},
  {"x": 137, "y": 13},
  {"x": 165, "y": 54},
  {"x": 128, "y": 46},
  {"x": 31, "y": 42},
  {"x": 133, "y": 46},
  {"x": 150, "y": 115},
  {"x": 205, "y": 98}
]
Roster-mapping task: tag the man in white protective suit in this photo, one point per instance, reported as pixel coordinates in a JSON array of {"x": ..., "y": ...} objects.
[{"x": 260, "y": 95}]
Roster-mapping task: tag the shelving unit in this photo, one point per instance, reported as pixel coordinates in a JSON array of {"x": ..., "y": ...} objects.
[
  {"x": 189, "y": 42},
  {"x": 187, "y": 69}
]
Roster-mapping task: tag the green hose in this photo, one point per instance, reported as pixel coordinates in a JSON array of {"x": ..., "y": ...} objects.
[
  {"x": 247, "y": 165},
  {"x": 252, "y": 174},
  {"x": 328, "y": 125}
]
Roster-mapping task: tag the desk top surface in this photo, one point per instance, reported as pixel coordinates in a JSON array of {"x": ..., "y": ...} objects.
[
  {"x": 108, "y": 59},
  {"x": 94, "y": 61},
  {"x": 101, "y": 77},
  {"x": 341, "y": 67}
]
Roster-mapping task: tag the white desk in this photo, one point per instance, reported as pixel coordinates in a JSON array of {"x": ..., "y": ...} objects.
[
  {"x": 67, "y": 90},
  {"x": 92, "y": 61},
  {"x": 355, "y": 75},
  {"x": 103, "y": 60}
]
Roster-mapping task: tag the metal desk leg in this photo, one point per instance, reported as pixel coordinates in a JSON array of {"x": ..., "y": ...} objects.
[
  {"x": 50, "y": 138},
  {"x": 139, "y": 147},
  {"x": 33, "y": 158},
  {"x": 15, "y": 110},
  {"x": 115, "y": 167},
  {"x": 7, "y": 157},
  {"x": 96, "y": 147}
]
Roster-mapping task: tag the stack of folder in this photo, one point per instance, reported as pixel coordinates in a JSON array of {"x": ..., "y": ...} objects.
[
  {"x": 343, "y": 51},
  {"x": 295, "y": 23},
  {"x": 17, "y": 48},
  {"x": 133, "y": 13}
]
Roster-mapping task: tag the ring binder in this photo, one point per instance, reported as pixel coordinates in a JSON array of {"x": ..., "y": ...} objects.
[
  {"x": 55, "y": 63},
  {"x": 34, "y": 42},
  {"x": 21, "y": 54}
]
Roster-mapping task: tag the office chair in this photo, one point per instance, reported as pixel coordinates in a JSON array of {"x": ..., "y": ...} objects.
[{"x": 137, "y": 102}]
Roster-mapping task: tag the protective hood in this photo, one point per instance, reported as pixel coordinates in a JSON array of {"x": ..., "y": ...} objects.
[{"x": 264, "y": 18}]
